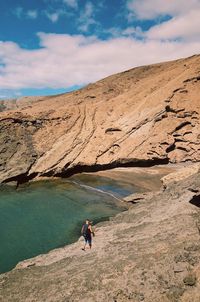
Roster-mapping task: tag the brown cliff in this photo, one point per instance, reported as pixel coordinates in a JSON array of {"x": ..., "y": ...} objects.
[{"x": 144, "y": 116}]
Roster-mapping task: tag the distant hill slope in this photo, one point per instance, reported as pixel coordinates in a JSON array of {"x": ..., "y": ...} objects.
[
  {"x": 144, "y": 116},
  {"x": 19, "y": 103}
]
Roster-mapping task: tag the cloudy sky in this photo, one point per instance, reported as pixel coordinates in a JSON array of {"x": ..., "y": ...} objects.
[{"x": 53, "y": 46}]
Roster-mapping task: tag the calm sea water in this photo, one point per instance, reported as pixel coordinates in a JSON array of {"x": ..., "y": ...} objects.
[{"x": 42, "y": 216}]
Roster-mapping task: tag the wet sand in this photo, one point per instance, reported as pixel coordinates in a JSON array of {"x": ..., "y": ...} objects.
[{"x": 145, "y": 179}]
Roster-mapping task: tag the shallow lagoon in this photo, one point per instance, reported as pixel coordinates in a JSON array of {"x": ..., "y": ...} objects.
[{"x": 41, "y": 216}]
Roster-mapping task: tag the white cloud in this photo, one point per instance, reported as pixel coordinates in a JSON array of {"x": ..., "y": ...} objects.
[
  {"x": 18, "y": 12},
  {"x": 150, "y": 9},
  {"x": 53, "y": 17},
  {"x": 183, "y": 22},
  {"x": 186, "y": 27},
  {"x": 87, "y": 17},
  {"x": 63, "y": 61},
  {"x": 71, "y": 3},
  {"x": 128, "y": 32},
  {"x": 32, "y": 14}
]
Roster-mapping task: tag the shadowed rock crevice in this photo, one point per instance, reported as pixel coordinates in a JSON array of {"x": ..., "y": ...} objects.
[
  {"x": 97, "y": 167},
  {"x": 171, "y": 148},
  {"x": 183, "y": 124},
  {"x": 112, "y": 130},
  {"x": 20, "y": 179},
  {"x": 195, "y": 201},
  {"x": 25, "y": 177},
  {"x": 192, "y": 79}
]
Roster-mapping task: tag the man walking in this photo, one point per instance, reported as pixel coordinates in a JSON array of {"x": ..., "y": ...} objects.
[{"x": 87, "y": 233}]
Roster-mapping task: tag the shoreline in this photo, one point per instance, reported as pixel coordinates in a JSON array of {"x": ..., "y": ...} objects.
[
  {"x": 156, "y": 239},
  {"x": 145, "y": 182},
  {"x": 114, "y": 174},
  {"x": 143, "y": 178},
  {"x": 118, "y": 173}
]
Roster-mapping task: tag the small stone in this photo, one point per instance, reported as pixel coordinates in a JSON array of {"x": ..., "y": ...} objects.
[
  {"x": 190, "y": 280},
  {"x": 175, "y": 293}
]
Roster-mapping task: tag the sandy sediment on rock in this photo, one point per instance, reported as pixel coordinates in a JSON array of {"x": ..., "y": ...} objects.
[{"x": 145, "y": 179}]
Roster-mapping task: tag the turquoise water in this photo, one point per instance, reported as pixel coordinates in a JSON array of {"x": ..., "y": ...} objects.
[{"x": 42, "y": 216}]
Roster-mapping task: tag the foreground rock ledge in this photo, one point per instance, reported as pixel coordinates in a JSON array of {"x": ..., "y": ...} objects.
[{"x": 149, "y": 253}]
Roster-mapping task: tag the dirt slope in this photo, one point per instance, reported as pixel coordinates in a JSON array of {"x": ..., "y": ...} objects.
[{"x": 147, "y": 115}]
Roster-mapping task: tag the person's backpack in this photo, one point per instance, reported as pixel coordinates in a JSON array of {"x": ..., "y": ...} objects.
[{"x": 85, "y": 231}]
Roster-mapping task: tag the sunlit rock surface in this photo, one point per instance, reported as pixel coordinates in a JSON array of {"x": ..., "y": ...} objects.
[{"x": 144, "y": 116}]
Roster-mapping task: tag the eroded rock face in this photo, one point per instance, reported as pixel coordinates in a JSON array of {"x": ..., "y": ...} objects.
[
  {"x": 181, "y": 174},
  {"x": 147, "y": 115}
]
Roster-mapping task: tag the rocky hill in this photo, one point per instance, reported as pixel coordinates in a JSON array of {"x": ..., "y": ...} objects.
[{"x": 144, "y": 116}]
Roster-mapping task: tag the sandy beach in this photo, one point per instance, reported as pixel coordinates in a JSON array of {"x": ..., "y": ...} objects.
[{"x": 145, "y": 179}]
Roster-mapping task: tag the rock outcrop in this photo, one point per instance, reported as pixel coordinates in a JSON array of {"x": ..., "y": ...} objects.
[
  {"x": 180, "y": 174},
  {"x": 144, "y": 116},
  {"x": 150, "y": 252}
]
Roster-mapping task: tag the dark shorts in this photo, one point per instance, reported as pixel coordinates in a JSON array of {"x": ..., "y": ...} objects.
[{"x": 88, "y": 239}]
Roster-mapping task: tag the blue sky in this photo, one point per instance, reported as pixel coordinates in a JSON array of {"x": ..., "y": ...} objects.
[{"x": 53, "y": 46}]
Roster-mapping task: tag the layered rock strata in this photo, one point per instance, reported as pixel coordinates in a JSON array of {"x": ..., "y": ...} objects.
[{"x": 144, "y": 116}]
